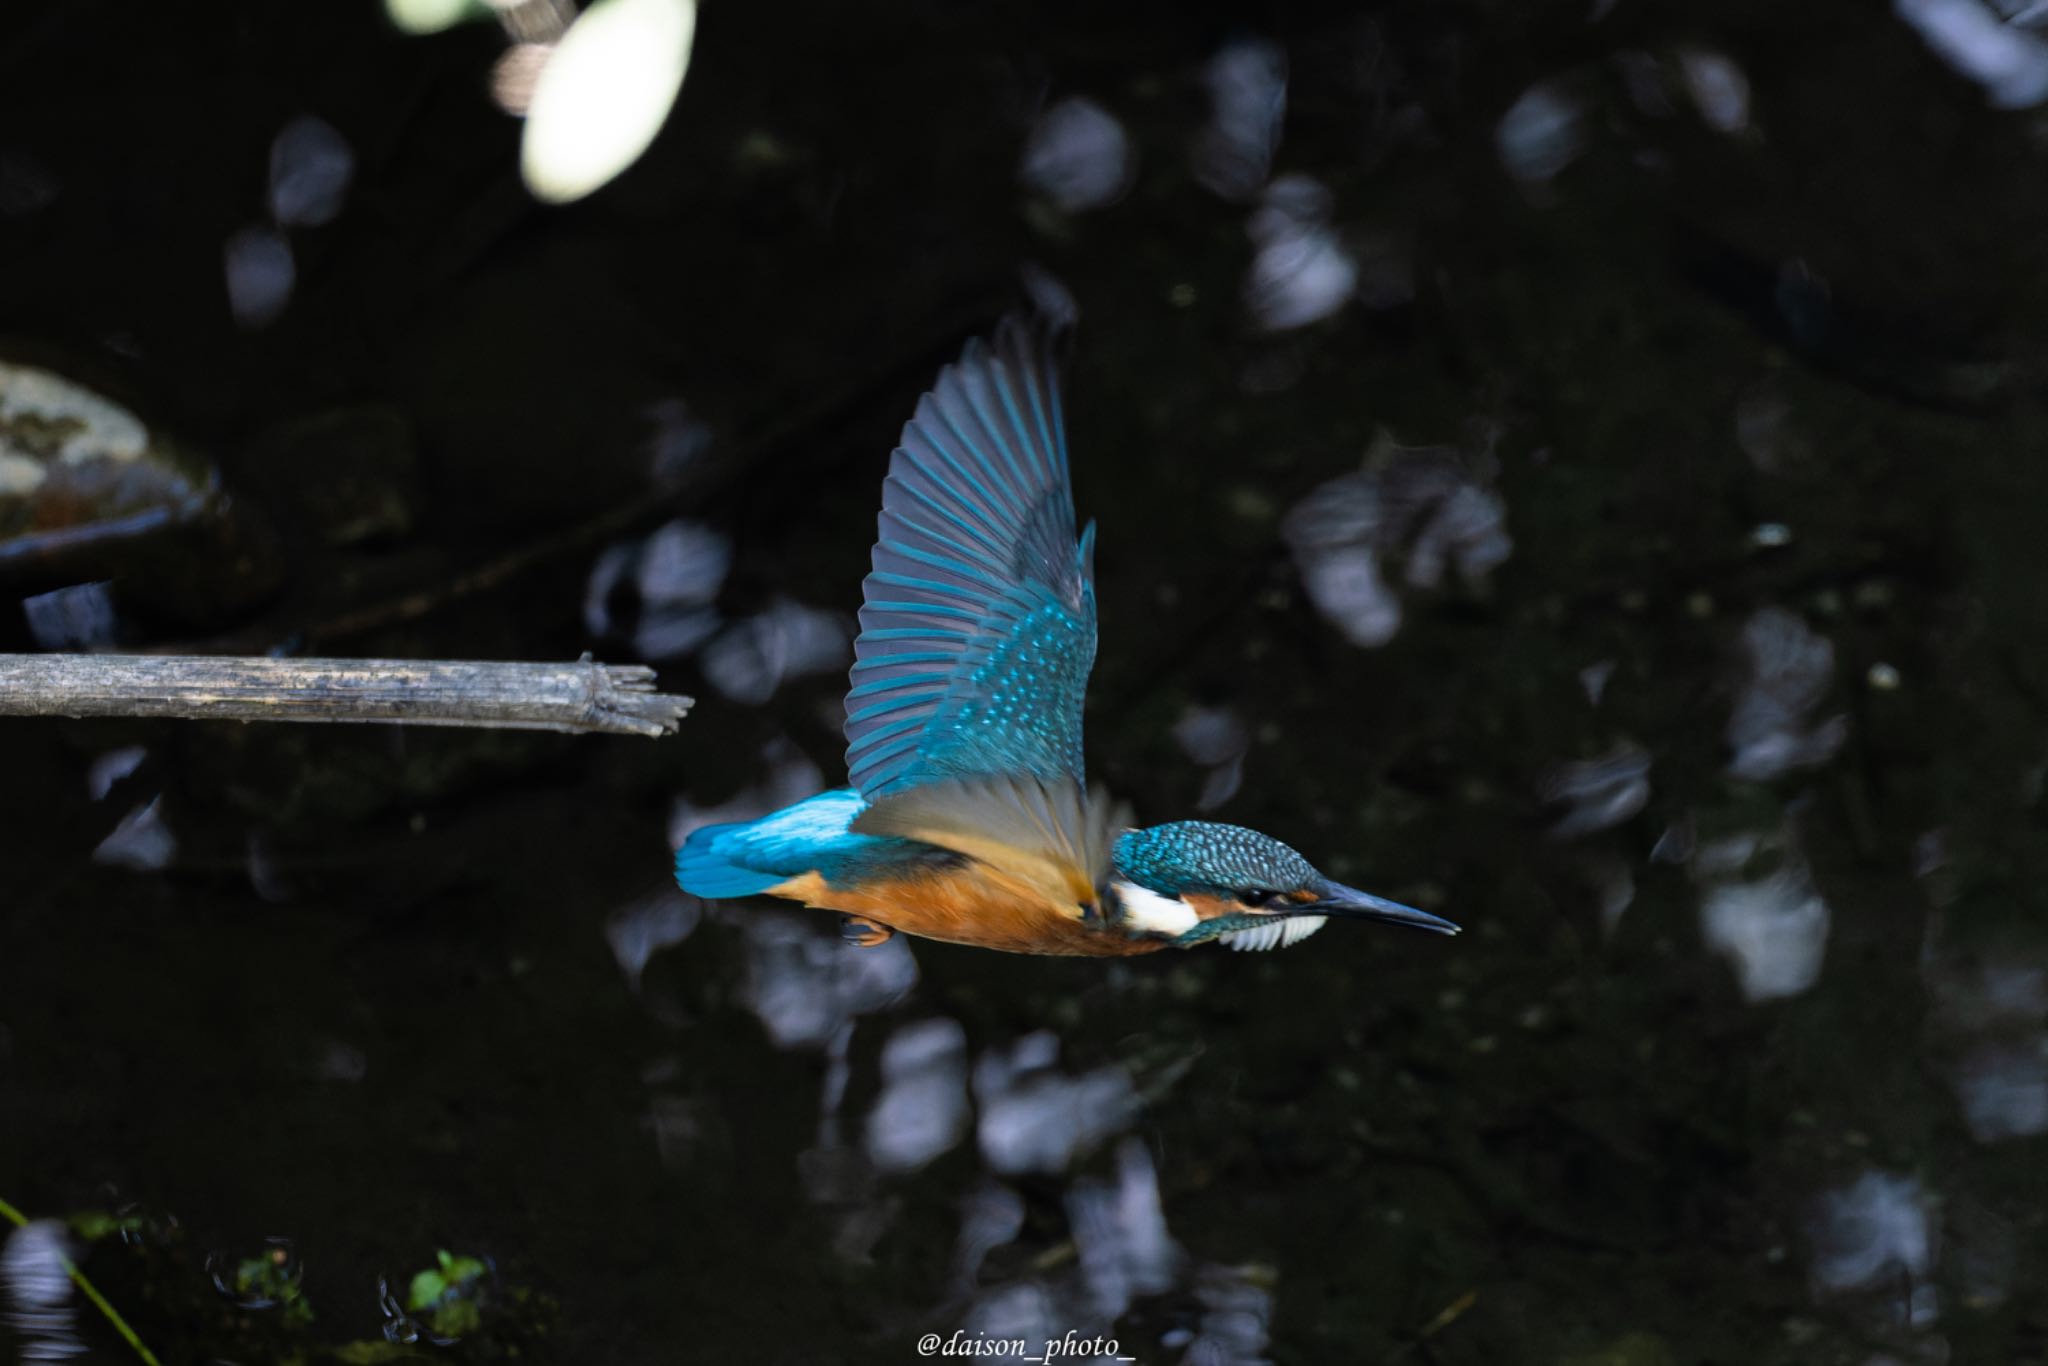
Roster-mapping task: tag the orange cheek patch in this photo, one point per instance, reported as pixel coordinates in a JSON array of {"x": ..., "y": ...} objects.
[{"x": 1209, "y": 907}]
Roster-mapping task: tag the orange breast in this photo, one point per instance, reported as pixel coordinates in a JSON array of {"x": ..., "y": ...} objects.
[{"x": 976, "y": 905}]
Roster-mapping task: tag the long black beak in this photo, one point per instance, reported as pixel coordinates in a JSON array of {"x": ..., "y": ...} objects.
[{"x": 1351, "y": 904}]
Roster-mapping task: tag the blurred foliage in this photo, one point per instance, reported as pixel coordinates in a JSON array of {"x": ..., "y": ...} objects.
[
  {"x": 194, "y": 1307},
  {"x": 450, "y": 1295}
]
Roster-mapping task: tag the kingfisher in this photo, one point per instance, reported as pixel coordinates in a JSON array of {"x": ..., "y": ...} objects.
[{"x": 967, "y": 817}]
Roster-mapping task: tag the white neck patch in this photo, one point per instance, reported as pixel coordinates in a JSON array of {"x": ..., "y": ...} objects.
[
  {"x": 1147, "y": 911},
  {"x": 1278, "y": 934}
]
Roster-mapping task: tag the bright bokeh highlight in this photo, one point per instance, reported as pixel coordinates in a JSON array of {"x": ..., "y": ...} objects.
[{"x": 604, "y": 94}]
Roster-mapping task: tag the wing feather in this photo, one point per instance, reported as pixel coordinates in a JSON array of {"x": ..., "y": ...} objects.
[
  {"x": 978, "y": 625},
  {"x": 1049, "y": 832}
]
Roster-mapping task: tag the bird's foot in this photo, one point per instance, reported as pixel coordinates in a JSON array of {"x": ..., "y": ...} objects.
[{"x": 864, "y": 934}]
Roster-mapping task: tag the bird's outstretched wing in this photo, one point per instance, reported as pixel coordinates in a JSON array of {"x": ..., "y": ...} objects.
[{"x": 978, "y": 620}]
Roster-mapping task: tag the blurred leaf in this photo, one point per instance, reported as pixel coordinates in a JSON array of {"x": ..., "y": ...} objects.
[
  {"x": 604, "y": 94},
  {"x": 432, "y": 16}
]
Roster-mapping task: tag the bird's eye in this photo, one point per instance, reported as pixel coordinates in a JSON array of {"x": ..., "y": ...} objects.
[{"x": 1257, "y": 896}]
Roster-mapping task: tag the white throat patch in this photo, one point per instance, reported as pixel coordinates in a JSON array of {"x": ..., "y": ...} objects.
[
  {"x": 1279, "y": 934},
  {"x": 1147, "y": 911}
]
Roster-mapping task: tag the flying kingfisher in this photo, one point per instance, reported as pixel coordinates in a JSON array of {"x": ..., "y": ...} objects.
[{"x": 967, "y": 818}]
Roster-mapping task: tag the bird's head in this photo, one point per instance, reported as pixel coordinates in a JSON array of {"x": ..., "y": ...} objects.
[{"x": 1193, "y": 881}]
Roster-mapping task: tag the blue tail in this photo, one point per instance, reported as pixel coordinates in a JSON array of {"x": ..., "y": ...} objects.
[
  {"x": 747, "y": 858},
  {"x": 705, "y": 864}
]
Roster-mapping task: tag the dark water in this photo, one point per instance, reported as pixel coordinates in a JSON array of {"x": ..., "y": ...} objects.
[{"x": 1584, "y": 478}]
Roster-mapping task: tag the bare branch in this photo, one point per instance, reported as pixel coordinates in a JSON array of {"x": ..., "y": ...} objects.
[{"x": 583, "y": 697}]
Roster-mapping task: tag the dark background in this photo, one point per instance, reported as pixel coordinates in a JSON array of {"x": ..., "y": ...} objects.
[{"x": 1781, "y": 369}]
